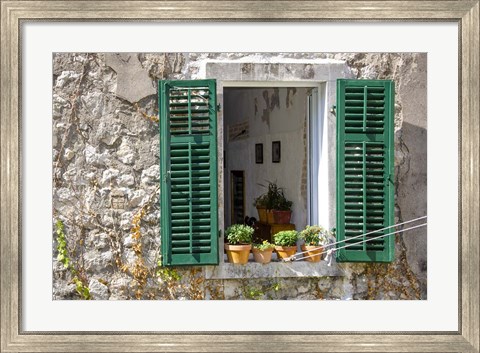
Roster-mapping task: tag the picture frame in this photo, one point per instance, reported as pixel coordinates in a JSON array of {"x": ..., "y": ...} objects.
[
  {"x": 15, "y": 339},
  {"x": 276, "y": 151},
  {"x": 259, "y": 153}
]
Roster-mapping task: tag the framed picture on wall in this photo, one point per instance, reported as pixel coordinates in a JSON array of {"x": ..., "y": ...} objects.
[
  {"x": 259, "y": 153},
  {"x": 276, "y": 152}
]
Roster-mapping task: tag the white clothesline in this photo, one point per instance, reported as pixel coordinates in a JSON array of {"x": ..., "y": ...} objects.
[
  {"x": 365, "y": 234},
  {"x": 331, "y": 249}
]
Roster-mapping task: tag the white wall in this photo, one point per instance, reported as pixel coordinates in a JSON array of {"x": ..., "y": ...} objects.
[{"x": 277, "y": 122}]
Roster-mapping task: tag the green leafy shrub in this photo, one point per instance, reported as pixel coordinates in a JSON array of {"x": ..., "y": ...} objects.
[
  {"x": 286, "y": 238},
  {"x": 264, "y": 246},
  {"x": 239, "y": 234},
  {"x": 314, "y": 235}
]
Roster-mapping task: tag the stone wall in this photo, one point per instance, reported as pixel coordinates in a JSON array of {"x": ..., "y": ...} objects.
[{"x": 106, "y": 181}]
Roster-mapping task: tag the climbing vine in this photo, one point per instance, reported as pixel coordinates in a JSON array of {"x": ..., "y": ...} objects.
[
  {"x": 396, "y": 277},
  {"x": 153, "y": 118},
  {"x": 64, "y": 258},
  {"x": 139, "y": 270},
  {"x": 268, "y": 291}
]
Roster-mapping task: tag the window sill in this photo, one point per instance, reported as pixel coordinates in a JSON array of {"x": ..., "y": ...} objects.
[{"x": 273, "y": 269}]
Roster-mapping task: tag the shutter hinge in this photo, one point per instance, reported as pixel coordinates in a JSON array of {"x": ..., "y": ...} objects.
[
  {"x": 219, "y": 233},
  {"x": 389, "y": 179},
  {"x": 333, "y": 110},
  {"x": 219, "y": 107}
]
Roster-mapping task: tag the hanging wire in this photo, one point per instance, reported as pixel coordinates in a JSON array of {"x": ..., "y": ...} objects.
[
  {"x": 365, "y": 234},
  {"x": 330, "y": 248}
]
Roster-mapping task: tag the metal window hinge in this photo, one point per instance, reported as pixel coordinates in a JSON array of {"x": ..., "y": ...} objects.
[
  {"x": 219, "y": 107},
  {"x": 389, "y": 179},
  {"x": 333, "y": 110}
]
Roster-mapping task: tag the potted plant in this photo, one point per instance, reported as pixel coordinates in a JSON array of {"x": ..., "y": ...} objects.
[
  {"x": 286, "y": 243},
  {"x": 261, "y": 205},
  {"x": 282, "y": 213},
  {"x": 239, "y": 239},
  {"x": 315, "y": 238},
  {"x": 262, "y": 253},
  {"x": 279, "y": 209}
]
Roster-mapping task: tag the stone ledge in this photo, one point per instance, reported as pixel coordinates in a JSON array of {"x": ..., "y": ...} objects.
[{"x": 273, "y": 269}]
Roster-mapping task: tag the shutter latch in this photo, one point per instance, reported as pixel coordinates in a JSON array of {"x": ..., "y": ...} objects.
[{"x": 166, "y": 176}]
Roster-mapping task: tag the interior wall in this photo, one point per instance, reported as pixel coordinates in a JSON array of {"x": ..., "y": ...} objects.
[{"x": 266, "y": 115}]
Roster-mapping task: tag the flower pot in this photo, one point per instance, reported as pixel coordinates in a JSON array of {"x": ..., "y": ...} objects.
[
  {"x": 238, "y": 254},
  {"x": 262, "y": 214},
  {"x": 313, "y": 251},
  {"x": 262, "y": 256},
  {"x": 281, "y": 217},
  {"x": 285, "y": 252},
  {"x": 270, "y": 219}
]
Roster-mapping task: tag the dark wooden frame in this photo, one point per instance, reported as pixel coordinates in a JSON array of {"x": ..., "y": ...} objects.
[
  {"x": 276, "y": 145},
  {"x": 259, "y": 153}
]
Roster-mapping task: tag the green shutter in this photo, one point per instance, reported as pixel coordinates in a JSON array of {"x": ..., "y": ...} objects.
[
  {"x": 365, "y": 174},
  {"x": 188, "y": 167}
]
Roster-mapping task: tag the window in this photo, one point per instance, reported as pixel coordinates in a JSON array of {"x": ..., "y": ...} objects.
[{"x": 189, "y": 202}]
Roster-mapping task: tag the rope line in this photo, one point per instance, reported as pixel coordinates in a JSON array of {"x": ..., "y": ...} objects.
[
  {"x": 365, "y": 234},
  {"x": 293, "y": 258}
]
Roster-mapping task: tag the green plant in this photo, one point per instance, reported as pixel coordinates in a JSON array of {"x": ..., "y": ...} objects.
[
  {"x": 264, "y": 246},
  {"x": 314, "y": 235},
  {"x": 82, "y": 289},
  {"x": 275, "y": 198},
  {"x": 239, "y": 234},
  {"x": 167, "y": 274},
  {"x": 64, "y": 258},
  {"x": 253, "y": 293},
  {"x": 62, "y": 245},
  {"x": 261, "y": 201},
  {"x": 286, "y": 238}
]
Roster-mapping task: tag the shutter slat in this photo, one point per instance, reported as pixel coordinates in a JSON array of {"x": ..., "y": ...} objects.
[{"x": 364, "y": 168}]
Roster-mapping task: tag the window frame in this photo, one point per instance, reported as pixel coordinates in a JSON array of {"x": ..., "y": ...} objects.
[{"x": 324, "y": 209}]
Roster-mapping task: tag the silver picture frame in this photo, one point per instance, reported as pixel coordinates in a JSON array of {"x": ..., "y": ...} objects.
[{"x": 465, "y": 13}]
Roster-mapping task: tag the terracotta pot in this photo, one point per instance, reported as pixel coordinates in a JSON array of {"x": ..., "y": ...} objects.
[
  {"x": 313, "y": 251},
  {"x": 262, "y": 256},
  {"x": 262, "y": 214},
  {"x": 282, "y": 217},
  {"x": 270, "y": 219},
  {"x": 285, "y": 252},
  {"x": 238, "y": 254}
]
